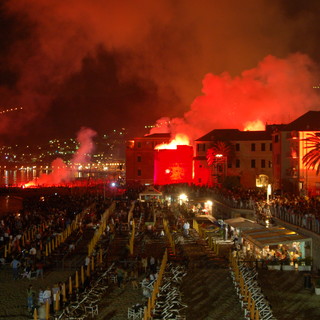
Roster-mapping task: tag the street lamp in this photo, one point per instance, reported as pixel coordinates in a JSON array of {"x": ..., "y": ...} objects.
[{"x": 182, "y": 198}]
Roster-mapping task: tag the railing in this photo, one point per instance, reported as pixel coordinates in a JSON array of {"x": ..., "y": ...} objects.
[
  {"x": 249, "y": 292},
  {"x": 30, "y": 235},
  {"x": 102, "y": 228},
  {"x": 309, "y": 222}
]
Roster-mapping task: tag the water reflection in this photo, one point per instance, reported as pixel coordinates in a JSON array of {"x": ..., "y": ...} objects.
[{"x": 17, "y": 177}]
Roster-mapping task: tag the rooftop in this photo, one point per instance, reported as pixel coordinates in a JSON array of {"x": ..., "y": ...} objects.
[
  {"x": 309, "y": 121},
  {"x": 235, "y": 135}
]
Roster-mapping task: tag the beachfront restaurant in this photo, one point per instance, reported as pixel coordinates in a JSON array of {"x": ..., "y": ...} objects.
[{"x": 279, "y": 246}]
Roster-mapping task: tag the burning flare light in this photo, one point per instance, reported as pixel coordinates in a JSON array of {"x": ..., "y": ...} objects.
[
  {"x": 179, "y": 140},
  {"x": 61, "y": 173},
  {"x": 256, "y": 125}
]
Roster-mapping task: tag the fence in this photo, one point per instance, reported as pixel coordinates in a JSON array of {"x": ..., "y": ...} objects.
[
  {"x": 101, "y": 229},
  {"x": 169, "y": 236},
  {"x": 152, "y": 301}
]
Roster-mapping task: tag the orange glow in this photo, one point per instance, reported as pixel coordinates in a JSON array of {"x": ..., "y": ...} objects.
[
  {"x": 179, "y": 140},
  {"x": 30, "y": 184},
  {"x": 256, "y": 125}
]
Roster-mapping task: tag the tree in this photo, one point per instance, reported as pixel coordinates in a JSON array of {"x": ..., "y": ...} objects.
[
  {"x": 312, "y": 158},
  {"x": 222, "y": 148}
]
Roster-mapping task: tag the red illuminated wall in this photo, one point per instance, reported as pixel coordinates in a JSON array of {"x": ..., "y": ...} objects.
[{"x": 173, "y": 165}]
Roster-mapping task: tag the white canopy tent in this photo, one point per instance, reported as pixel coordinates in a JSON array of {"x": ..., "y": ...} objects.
[{"x": 150, "y": 194}]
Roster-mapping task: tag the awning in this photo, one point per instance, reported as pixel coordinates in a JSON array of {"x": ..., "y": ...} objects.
[
  {"x": 272, "y": 236},
  {"x": 243, "y": 224}
]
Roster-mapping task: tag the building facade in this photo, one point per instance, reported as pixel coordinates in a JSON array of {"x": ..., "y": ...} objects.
[
  {"x": 231, "y": 157},
  {"x": 238, "y": 158},
  {"x": 140, "y": 157},
  {"x": 290, "y": 146}
]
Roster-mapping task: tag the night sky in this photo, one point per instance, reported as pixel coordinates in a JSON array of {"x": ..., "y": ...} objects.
[{"x": 111, "y": 64}]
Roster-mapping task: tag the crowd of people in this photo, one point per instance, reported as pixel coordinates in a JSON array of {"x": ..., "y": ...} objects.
[
  {"x": 52, "y": 214},
  {"x": 57, "y": 212}
]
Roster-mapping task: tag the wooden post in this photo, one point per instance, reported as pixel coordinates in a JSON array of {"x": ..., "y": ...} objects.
[
  {"x": 57, "y": 304},
  {"x": 22, "y": 239},
  {"x": 35, "y": 314},
  {"x": 70, "y": 285},
  {"x": 245, "y": 292},
  {"x": 49, "y": 245},
  {"x": 252, "y": 310},
  {"x": 77, "y": 280},
  {"x": 64, "y": 292},
  {"x": 47, "y": 310},
  {"x": 92, "y": 263},
  {"x": 82, "y": 275},
  {"x": 149, "y": 308},
  {"x": 47, "y": 251}
]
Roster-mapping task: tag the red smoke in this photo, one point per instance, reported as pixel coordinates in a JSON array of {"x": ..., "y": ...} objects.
[
  {"x": 171, "y": 43},
  {"x": 276, "y": 91},
  {"x": 61, "y": 173}
]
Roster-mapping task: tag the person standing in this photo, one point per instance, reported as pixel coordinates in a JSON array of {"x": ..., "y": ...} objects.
[
  {"x": 120, "y": 276},
  {"x": 39, "y": 266},
  {"x": 30, "y": 298},
  {"x": 15, "y": 264},
  {"x": 40, "y": 297},
  {"x": 153, "y": 266},
  {"x": 144, "y": 262},
  {"x": 55, "y": 295},
  {"x": 87, "y": 261},
  {"x": 186, "y": 227},
  {"x": 47, "y": 296}
]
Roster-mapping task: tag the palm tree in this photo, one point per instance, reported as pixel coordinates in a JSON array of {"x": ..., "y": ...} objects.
[
  {"x": 312, "y": 158},
  {"x": 219, "y": 151}
]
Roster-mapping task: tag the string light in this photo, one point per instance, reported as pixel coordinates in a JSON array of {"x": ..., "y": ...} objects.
[{"x": 11, "y": 110}]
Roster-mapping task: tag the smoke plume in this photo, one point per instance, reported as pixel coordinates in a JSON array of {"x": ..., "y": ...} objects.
[
  {"x": 61, "y": 172},
  {"x": 276, "y": 91}
]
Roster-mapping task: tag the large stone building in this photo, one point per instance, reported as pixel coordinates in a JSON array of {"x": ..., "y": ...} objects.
[
  {"x": 232, "y": 157},
  {"x": 140, "y": 157},
  {"x": 238, "y": 158}
]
